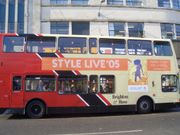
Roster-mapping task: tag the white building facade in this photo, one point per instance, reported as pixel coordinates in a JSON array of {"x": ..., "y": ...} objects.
[{"x": 133, "y": 18}]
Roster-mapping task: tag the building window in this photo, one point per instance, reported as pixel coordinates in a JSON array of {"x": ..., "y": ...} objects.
[
  {"x": 20, "y": 26},
  {"x": 40, "y": 83},
  {"x": 136, "y": 29},
  {"x": 178, "y": 31},
  {"x": 58, "y": 2},
  {"x": 167, "y": 30},
  {"x": 115, "y": 2},
  {"x": 11, "y": 16},
  {"x": 134, "y": 2},
  {"x": 116, "y": 29},
  {"x": 169, "y": 83},
  {"x": 176, "y": 4},
  {"x": 59, "y": 27},
  {"x": 164, "y": 3},
  {"x": 2, "y": 16},
  {"x": 80, "y": 28},
  {"x": 79, "y": 2}
]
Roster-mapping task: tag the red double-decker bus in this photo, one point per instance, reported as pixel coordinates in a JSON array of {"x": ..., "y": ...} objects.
[{"x": 42, "y": 74}]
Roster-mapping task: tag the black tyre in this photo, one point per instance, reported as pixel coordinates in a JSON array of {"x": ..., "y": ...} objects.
[
  {"x": 144, "y": 106},
  {"x": 35, "y": 109}
]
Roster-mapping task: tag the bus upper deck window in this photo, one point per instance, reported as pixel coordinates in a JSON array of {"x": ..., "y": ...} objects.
[
  {"x": 139, "y": 47},
  {"x": 112, "y": 46},
  {"x": 14, "y": 44},
  {"x": 41, "y": 44},
  {"x": 93, "y": 46},
  {"x": 73, "y": 45},
  {"x": 162, "y": 48}
]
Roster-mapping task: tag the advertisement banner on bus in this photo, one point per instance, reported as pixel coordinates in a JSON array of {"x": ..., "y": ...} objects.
[
  {"x": 84, "y": 64},
  {"x": 137, "y": 75}
]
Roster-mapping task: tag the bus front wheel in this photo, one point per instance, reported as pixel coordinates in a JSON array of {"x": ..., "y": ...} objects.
[
  {"x": 144, "y": 106},
  {"x": 35, "y": 109}
]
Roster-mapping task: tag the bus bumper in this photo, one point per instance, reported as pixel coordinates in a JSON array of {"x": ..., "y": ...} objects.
[{"x": 166, "y": 106}]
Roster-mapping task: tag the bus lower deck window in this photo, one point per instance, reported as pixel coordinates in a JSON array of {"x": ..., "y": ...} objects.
[
  {"x": 93, "y": 84},
  {"x": 40, "y": 83},
  {"x": 17, "y": 83},
  {"x": 73, "y": 85},
  {"x": 169, "y": 83},
  {"x": 107, "y": 84}
]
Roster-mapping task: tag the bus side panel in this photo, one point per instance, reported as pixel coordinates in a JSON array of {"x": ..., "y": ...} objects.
[
  {"x": 53, "y": 99},
  {"x": 4, "y": 92}
]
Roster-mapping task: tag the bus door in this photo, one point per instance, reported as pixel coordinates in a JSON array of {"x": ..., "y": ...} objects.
[{"x": 17, "y": 95}]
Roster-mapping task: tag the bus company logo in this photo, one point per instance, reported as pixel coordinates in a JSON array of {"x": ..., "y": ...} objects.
[{"x": 84, "y": 64}]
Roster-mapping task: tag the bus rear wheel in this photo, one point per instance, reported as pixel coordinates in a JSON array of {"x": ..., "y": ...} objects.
[
  {"x": 35, "y": 109},
  {"x": 144, "y": 106}
]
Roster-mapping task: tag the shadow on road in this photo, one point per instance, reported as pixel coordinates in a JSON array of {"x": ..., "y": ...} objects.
[
  {"x": 2, "y": 111},
  {"x": 72, "y": 115}
]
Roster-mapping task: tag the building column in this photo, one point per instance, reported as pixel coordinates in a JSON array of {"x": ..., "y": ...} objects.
[
  {"x": 26, "y": 15},
  {"x": 171, "y": 4},
  {"x": 36, "y": 16},
  {"x": 70, "y": 27},
  {"x": 16, "y": 16},
  {"x": 126, "y": 29},
  {"x": 6, "y": 16}
]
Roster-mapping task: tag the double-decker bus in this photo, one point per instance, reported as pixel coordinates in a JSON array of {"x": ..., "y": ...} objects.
[{"x": 46, "y": 73}]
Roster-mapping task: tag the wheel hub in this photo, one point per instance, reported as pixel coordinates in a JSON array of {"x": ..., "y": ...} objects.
[
  {"x": 144, "y": 105},
  {"x": 36, "y": 109}
]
